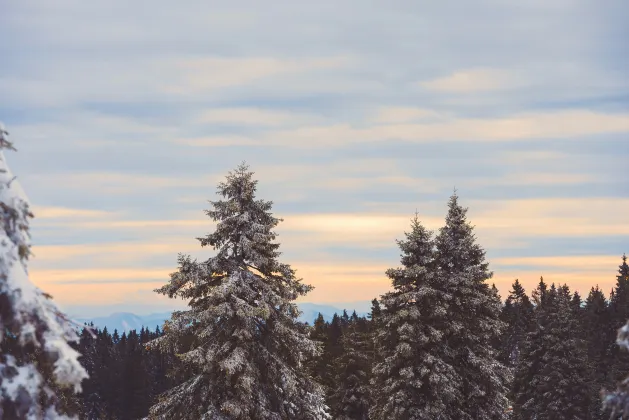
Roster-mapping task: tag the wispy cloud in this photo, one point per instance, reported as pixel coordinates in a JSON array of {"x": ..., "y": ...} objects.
[
  {"x": 251, "y": 116},
  {"x": 192, "y": 75},
  {"x": 65, "y": 213},
  {"x": 471, "y": 81},
  {"x": 530, "y": 126},
  {"x": 396, "y": 115}
]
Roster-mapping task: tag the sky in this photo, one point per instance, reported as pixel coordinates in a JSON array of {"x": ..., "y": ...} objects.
[{"x": 352, "y": 114}]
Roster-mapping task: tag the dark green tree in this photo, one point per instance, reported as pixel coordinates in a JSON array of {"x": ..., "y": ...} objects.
[
  {"x": 320, "y": 365},
  {"x": 551, "y": 381},
  {"x": 350, "y": 400},
  {"x": 595, "y": 324}
]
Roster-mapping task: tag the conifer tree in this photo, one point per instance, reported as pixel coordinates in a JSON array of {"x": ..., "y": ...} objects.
[
  {"x": 38, "y": 367},
  {"x": 618, "y": 315},
  {"x": 411, "y": 379},
  {"x": 528, "y": 368},
  {"x": 320, "y": 365},
  {"x": 517, "y": 314},
  {"x": 373, "y": 330},
  {"x": 92, "y": 403},
  {"x": 551, "y": 376},
  {"x": 248, "y": 350},
  {"x": 595, "y": 321},
  {"x": 350, "y": 399},
  {"x": 473, "y": 319},
  {"x": 333, "y": 346},
  {"x": 376, "y": 310},
  {"x": 540, "y": 294},
  {"x": 344, "y": 319},
  {"x": 576, "y": 304},
  {"x": 354, "y": 317}
]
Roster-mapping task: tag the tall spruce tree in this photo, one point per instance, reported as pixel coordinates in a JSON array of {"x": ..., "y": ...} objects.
[
  {"x": 249, "y": 346},
  {"x": 473, "y": 319},
  {"x": 38, "y": 367},
  {"x": 517, "y": 314},
  {"x": 551, "y": 375},
  {"x": 412, "y": 379}
]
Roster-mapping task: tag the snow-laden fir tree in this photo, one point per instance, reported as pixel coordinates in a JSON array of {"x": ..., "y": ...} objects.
[
  {"x": 246, "y": 359},
  {"x": 551, "y": 380},
  {"x": 473, "y": 320},
  {"x": 412, "y": 378},
  {"x": 38, "y": 368},
  {"x": 351, "y": 399}
]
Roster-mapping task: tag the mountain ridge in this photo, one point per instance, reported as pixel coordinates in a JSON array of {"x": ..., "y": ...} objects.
[{"x": 127, "y": 321}]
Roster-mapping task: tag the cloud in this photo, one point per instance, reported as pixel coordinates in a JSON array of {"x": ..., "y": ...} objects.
[
  {"x": 115, "y": 183},
  {"x": 396, "y": 115},
  {"x": 335, "y": 282},
  {"x": 123, "y": 135},
  {"x": 120, "y": 253},
  {"x": 64, "y": 213},
  {"x": 471, "y": 81},
  {"x": 174, "y": 77},
  {"x": 47, "y": 277},
  {"x": 192, "y": 74},
  {"x": 572, "y": 124},
  {"x": 515, "y": 218},
  {"x": 250, "y": 116}
]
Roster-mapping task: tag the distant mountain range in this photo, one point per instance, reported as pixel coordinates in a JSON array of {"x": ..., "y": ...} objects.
[{"x": 127, "y": 321}]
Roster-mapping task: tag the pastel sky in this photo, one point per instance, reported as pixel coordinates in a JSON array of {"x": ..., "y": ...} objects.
[{"x": 353, "y": 114}]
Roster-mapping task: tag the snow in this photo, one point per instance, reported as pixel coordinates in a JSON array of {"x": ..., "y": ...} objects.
[{"x": 32, "y": 310}]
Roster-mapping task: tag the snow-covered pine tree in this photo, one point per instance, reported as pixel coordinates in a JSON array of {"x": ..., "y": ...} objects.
[
  {"x": 351, "y": 399},
  {"x": 473, "y": 319},
  {"x": 37, "y": 364},
  {"x": 551, "y": 376},
  {"x": 411, "y": 379},
  {"x": 248, "y": 350}
]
